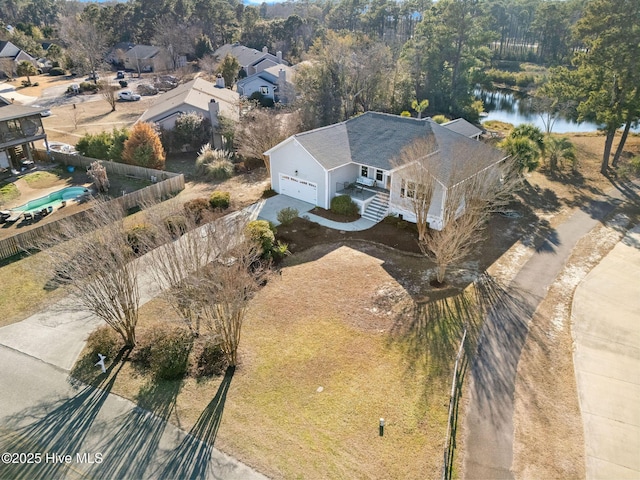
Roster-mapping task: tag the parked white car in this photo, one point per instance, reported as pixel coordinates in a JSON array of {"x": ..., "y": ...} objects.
[{"x": 128, "y": 96}]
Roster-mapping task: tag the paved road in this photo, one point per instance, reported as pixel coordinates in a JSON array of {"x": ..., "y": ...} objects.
[
  {"x": 489, "y": 420},
  {"x": 41, "y": 412},
  {"x": 606, "y": 331}
]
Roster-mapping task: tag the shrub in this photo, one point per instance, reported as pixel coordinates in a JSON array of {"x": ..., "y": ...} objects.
[
  {"x": 280, "y": 250},
  {"x": 56, "y": 71},
  {"x": 169, "y": 352},
  {"x": 440, "y": 119},
  {"x": 197, "y": 209},
  {"x": 106, "y": 341},
  {"x": 89, "y": 87},
  {"x": 343, "y": 205},
  {"x": 176, "y": 225},
  {"x": 268, "y": 193},
  {"x": 95, "y": 145},
  {"x": 263, "y": 233},
  {"x": 143, "y": 147},
  {"x": 212, "y": 163},
  {"x": 141, "y": 238},
  {"x": 286, "y": 216},
  {"x": 405, "y": 113},
  {"x": 192, "y": 130},
  {"x": 208, "y": 359},
  {"x": 220, "y": 199}
]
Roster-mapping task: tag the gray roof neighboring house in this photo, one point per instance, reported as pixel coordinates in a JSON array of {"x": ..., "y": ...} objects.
[
  {"x": 9, "y": 112},
  {"x": 196, "y": 93},
  {"x": 463, "y": 127},
  {"x": 142, "y": 52},
  {"x": 376, "y": 140},
  {"x": 246, "y": 56}
]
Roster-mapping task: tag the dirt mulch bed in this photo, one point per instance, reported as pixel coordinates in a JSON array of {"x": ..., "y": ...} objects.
[{"x": 329, "y": 215}]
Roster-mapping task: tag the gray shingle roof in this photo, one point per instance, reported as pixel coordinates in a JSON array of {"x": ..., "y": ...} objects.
[
  {"x": 376, "y": 139},
  {"x": 197, "y": 93},
  {"x": 245, "y": 55},
  {"x": 143, "y": 52},
  {"x": 461, "y": 126}
]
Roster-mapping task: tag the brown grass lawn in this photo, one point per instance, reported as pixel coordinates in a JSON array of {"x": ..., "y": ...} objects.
[
  {"x": 313, "y": 326},
  {"x": 23, "y": 291}
]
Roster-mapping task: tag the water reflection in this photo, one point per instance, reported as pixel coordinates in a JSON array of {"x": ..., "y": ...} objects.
[{"x": 516, "y": 108}]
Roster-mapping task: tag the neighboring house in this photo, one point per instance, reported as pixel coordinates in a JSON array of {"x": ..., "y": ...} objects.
[
  {"x": 252, "y": 61},
  {"x": 275, "y": 82},
  {"x": 148, "y": 58},
  {"x": 20, "y": 126},
  {"x": 461, "y": 126},
  {"x": 12, "y": 55},
  {"x": 357, "y": 158},
  {"x": 197, "y": 96}
]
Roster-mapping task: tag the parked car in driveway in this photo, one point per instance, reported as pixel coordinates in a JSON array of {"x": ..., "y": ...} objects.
[{"x": 128, "y": 96}]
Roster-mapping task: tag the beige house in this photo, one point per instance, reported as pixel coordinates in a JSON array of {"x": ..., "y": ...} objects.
[{"x": 199, "y": 96}]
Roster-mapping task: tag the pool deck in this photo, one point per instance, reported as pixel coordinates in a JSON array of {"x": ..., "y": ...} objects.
[{"x": 27, "y": 194}]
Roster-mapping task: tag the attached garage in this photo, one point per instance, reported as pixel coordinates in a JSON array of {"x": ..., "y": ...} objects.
[{"x": 298, "y": 188}]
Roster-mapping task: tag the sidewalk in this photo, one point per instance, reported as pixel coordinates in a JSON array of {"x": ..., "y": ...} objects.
[
  {"x": 489, "y": 425},
  {"x": 606, "y": 331}
]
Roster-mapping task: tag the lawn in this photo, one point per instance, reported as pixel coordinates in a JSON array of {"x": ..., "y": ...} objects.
[
  {"x": 8, "y": 192},
  {"x": 321, "y": 362},
  {"x": 23, "y": 291},
  {"x": 41, "y": 179}
]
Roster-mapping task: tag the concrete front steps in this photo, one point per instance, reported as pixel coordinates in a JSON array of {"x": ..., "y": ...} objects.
[{"x": 377, "y": 208}]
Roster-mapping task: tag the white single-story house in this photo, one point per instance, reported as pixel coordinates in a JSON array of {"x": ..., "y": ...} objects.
[
  {"x": 199, "y": 96},
  {"x": 358, "y": 157},
  {"x": 252, "y": 61},
  {"x": 275, "y": 82}
]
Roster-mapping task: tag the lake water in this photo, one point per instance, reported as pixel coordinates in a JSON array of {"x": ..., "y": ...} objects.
[{"x": 514, "y": 108}]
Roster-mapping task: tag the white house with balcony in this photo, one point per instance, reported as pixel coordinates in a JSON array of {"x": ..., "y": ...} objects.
[{"x": 358, "y": 157}]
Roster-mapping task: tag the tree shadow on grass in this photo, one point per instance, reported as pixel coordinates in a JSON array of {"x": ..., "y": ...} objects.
[
  {"x": 59, "y": 427},
  {"x": 193, "y": 457}
]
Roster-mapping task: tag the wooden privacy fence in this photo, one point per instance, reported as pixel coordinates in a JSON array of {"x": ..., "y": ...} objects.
[{"x": 168, "y": 184}]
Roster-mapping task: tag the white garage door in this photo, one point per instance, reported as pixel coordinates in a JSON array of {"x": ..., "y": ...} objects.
[{"x": 298, "y": 188}]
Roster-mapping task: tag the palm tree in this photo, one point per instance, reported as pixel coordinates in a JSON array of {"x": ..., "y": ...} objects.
[
  {"x": 524, "y": 151},
  {"x": 559, "y": 149},
  {"x": 420, "y": 106},
  {"x": 526, "y": 144}
]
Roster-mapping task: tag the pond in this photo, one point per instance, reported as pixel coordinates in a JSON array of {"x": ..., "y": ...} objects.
[{"x": 516, "y": 108}]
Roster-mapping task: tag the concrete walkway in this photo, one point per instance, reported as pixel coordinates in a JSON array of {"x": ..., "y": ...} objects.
[
  {"x": 606, "y": 331},
  {"x": 489, "y": 420},
  {"x": 268, "y": 209}
]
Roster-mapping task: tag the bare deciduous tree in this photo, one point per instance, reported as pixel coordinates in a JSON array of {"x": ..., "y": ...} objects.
[
  {"x": 87, "y": 41},
  {"x": 261, "y": 129},
  {"x": 208, "y": 275},
  {"x": 478, "y": 183},
  {"x": 93, "y": 258},
  {"x": 98, "y": 174},
  {"x": 226, "y": 290},
  {"x": 178, "y": 264},
  {"x": 108, "y": 92}
]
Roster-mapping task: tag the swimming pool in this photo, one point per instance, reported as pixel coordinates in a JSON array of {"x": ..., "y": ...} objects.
[{"x": 53, "y": 199}]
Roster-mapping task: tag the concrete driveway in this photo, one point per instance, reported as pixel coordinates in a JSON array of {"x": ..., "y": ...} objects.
[
  {"x": 267, "y": 209},
  {"x": 606, "y": 330}
]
